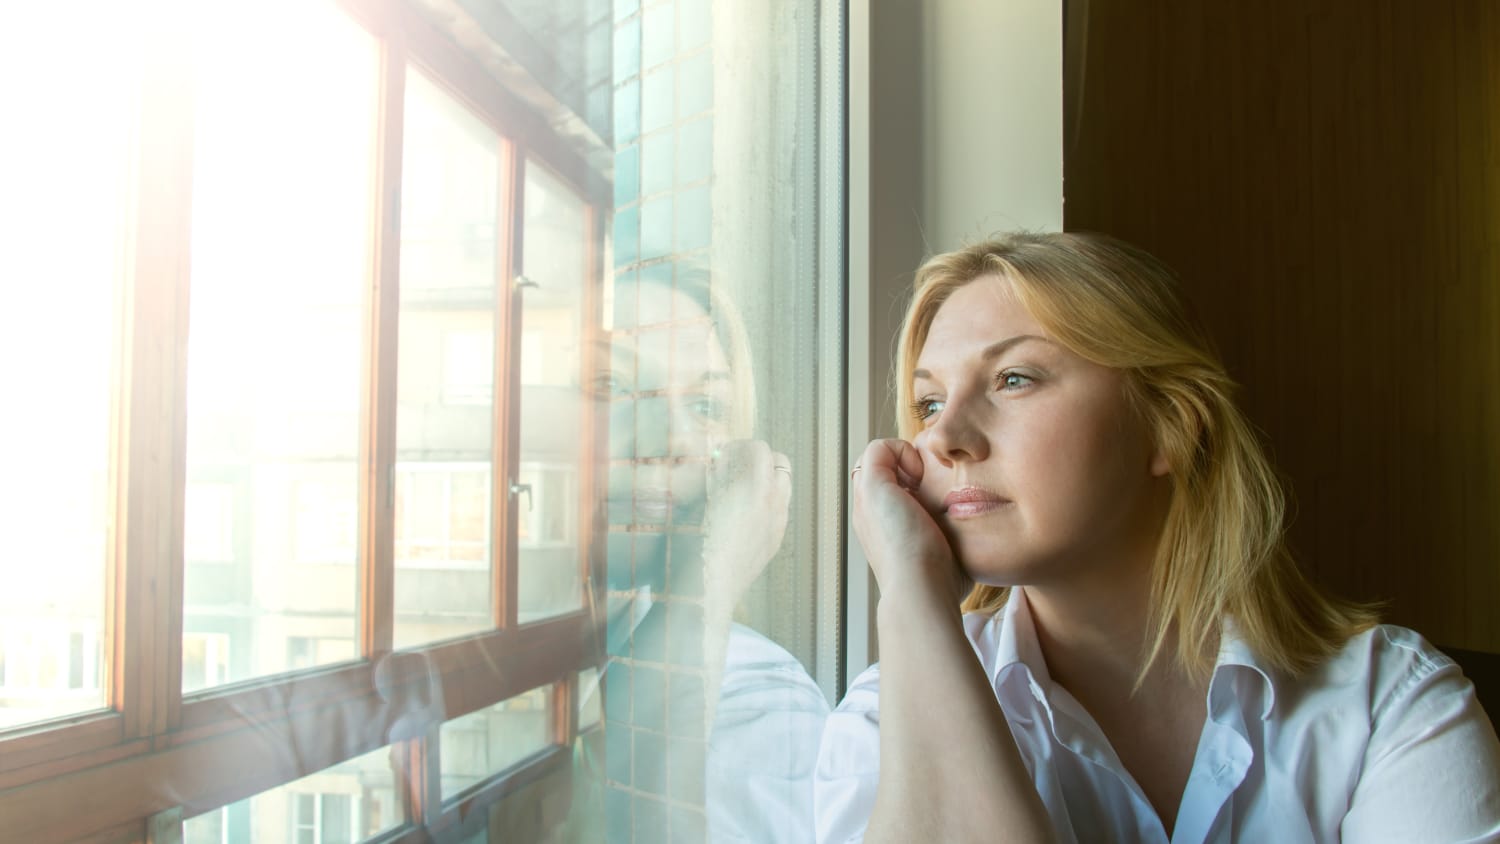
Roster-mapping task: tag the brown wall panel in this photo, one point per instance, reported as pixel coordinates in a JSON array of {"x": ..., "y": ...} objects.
[{"x": 1325, "y": 175}]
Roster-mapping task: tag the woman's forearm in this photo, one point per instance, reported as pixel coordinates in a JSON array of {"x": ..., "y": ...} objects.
[{"x": 949, "y": 767}]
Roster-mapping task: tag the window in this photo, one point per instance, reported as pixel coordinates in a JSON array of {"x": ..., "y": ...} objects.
[
  {"x": 442, "y": 515},
  {"x": 45, "y": 668},
  {"x": 324, "y": 818},
  {"x": 484, "y": 743},
  {"x": 374, "y": 359},
  {"x": 345, "y": 803},
  {"x": 63, "y": 232},
  {"x": 274, "y": 288},
  {"x": 209, "y": 828},
  {"x": 205, "y": 660}
]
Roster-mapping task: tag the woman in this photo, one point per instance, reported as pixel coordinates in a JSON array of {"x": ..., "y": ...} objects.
[
  {"x": 1151, "y": 666},
  {"x": 706, "y": 507}
]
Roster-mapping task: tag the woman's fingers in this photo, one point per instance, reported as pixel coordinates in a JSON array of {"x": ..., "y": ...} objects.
[
  {"x": 892, "y": 461},
  {"x": 901, "y": 539}
]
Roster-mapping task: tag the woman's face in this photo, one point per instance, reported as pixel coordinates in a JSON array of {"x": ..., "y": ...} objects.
[
  {"x": 681, "y": 411},
  {"x": 1035, "y": 465}
]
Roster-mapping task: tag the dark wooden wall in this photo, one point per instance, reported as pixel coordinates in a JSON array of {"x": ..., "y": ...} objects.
[{"x": 1325, "y": 175}]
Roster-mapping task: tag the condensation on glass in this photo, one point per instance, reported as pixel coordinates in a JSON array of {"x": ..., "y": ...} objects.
[
  {"x": 281, "y": 249},
  {"x": 63, "y": 220}
]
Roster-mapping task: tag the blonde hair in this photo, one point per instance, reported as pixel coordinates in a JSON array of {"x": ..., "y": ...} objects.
[{"x": 1222, "y": 550}]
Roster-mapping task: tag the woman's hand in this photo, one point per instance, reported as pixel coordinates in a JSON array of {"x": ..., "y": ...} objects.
[
  {"x": 749, "y": 490},
  {"x": 958, "y": 776},
  {"x": 905, "y": 547}
]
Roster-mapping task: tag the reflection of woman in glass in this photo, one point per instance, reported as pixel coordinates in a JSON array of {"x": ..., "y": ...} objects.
[
  {"x": 704, "y": 507},
  {"x": 1151, "y": 665}
]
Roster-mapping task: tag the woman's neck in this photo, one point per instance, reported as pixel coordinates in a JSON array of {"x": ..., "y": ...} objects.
[
  {"x": 1095, "y": 647},
  {"x": 1095, "y": 638}
]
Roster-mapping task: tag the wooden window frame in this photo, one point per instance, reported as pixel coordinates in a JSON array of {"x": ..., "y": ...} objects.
[{"x": 154, "y": 758}]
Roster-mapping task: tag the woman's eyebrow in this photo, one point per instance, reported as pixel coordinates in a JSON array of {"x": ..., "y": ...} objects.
[{"x": 990, "y": 352}]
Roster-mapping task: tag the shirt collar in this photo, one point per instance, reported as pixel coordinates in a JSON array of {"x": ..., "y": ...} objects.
[
  {"x": 1237, "y": 658},
  {"x": 1011, "y": 637}
]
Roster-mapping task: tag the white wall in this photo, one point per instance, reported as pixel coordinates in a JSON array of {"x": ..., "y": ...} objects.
[{"x": 955, "y": 132}]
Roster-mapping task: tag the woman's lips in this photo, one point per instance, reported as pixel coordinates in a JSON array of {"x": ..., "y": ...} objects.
[{"x": 969, "y": 501}]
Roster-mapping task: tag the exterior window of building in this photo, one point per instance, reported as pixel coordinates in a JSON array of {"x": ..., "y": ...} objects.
[
  {"x": 442, "y": 515},
  {"x": 477, "y": 746},
  {"x": 205, "y": 660},
  {"x": 353, "y": 801},
  {"x": 209, "y": 828},
  {"x": 324, "y": 818}
]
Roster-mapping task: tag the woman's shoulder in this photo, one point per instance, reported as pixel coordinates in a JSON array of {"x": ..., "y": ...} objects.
[
  {"x": 1387, "y": 661},
  {"x": 1427, "y": 758},
  {"x": 1392, "y": 676}
]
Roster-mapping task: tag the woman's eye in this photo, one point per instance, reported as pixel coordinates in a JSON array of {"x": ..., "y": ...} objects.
[
  {"x": 706, "y": 407},
  {"x": 1013, "y": 381},
  {"x": 606, "y": 385},
  {"x": 925, "y": 409}
]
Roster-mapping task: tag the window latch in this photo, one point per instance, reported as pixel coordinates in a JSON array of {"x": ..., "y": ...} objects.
[
  {"x": 522, "y": 282},
  {"x": 516, "y": 489}
]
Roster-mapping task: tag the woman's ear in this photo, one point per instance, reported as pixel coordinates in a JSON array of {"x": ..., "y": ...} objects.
[
  {"x": 1179, "y": 432},
  {"x": 1160, "y": 465}
]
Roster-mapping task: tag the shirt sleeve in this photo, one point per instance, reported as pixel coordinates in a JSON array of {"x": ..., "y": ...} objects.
[
  {"x": 1432, "y": 765},
  {"x": 849, "y": 764},
  {"x": 763, "y": 747}
]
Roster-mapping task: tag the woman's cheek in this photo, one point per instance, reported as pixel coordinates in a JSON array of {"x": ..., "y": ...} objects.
[{"x": 935, "y": 482}]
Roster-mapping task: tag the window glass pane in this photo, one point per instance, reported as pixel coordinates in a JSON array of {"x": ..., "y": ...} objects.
[
  {"x": 484, "y": 743},
  {"x": 723, "y": 403},
  {"x": 285, "y": 123},
  {"x": 349, "y": 802},
  {"x": 450, "y": 228},
  {"x": 590, "y": 699},
  {"x": 65, "y": 164},
  {"x": 210, "y": 828},
  {"x": 557, "y": 256}
]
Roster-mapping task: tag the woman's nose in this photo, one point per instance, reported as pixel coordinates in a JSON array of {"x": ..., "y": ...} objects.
[{"x": 958, "y": 434}]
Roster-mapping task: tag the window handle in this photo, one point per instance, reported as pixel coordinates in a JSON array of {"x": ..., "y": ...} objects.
[
  {"x": 522, "y": 282},
  {"x": 516, "y": 489}
]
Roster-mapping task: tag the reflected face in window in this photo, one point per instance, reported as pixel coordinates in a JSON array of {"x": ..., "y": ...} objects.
[{"x": 671, "y": 395}]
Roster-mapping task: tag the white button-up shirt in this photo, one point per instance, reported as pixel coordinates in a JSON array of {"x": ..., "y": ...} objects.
[
  {"x": 763, "y": 746},
  {"x": 1384, "y": 742}
]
